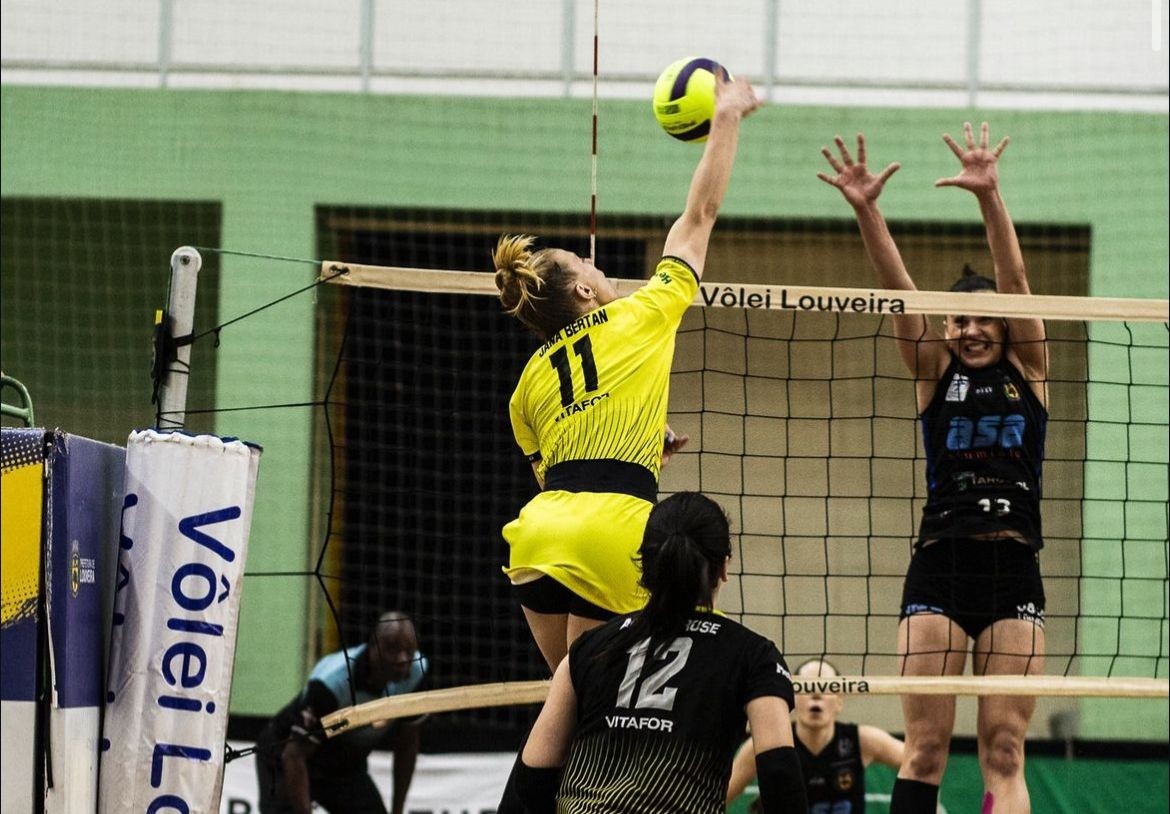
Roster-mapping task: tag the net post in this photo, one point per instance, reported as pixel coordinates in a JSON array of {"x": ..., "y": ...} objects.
[{"x": 172, "y": 399}]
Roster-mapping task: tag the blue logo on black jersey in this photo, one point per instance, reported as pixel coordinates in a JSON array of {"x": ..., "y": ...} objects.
[{"x": 1005, "y": 431}]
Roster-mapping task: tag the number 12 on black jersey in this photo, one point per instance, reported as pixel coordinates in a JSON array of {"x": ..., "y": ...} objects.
[
  {"x": 654, "y": 694},
  {"x": 559, "y": 359}
]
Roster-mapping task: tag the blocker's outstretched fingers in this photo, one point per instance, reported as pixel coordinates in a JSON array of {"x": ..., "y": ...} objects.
[
  {"x": 888, "y": 171},
  {"x": 999, "y": 148},
  {"x": 954, "y": 145},
  {"x": 832, "y": 159},
  {"x": 969, "y": 135},
  {"x": 845, "y": 156}
]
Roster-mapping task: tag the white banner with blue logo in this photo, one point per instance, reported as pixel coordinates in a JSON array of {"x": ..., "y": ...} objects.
[{"x": 185, "y": 520}]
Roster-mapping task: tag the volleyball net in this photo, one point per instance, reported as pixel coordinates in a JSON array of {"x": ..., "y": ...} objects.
[
  {"x": 802, "y": 423},
  {"x": 803, "y": 426}
]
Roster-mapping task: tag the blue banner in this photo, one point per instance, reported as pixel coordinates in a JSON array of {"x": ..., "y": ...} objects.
[
  {"x": 83, "y": 512},
  {"x": 86, "y": 498}
]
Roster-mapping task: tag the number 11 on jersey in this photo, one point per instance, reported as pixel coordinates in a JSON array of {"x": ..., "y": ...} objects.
[{"x": 559, "y": 359}]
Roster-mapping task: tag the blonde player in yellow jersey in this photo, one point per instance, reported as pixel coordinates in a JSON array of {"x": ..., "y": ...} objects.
[{"x": 589, "y": 410}]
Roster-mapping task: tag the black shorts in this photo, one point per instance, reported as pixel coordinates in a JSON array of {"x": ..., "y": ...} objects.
[
  {"x": 975, "y": 582},
  {"x": 546, "y": 595}
]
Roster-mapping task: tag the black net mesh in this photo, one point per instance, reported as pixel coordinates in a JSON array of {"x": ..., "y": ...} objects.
[{"x": 803, "y": 426}]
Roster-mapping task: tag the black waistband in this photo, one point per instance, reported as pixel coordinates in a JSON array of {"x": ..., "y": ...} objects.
[{"x": 605, "y": 475}]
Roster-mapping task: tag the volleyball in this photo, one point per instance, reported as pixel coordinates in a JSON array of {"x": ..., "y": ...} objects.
[{"x": 684, "y": 98}]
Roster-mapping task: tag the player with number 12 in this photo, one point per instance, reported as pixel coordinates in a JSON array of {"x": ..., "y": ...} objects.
[{"x": 646, "y": 712}]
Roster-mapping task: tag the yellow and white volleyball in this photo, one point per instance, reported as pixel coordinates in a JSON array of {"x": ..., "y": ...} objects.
[{"x": 684, "y": 98}]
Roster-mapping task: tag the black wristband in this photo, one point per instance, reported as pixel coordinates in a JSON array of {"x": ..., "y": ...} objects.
[
  {"x": 530, "y": 791},
  {"x": 781, "y": 781}
]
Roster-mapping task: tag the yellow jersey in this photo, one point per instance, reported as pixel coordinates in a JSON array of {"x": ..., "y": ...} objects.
[{"x": 597, "y": 390}]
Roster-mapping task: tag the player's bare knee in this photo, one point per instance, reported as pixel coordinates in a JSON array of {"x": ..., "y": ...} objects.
[
  {"x": 927, "y": 757},
  {"x": 1003, "y": 752}
]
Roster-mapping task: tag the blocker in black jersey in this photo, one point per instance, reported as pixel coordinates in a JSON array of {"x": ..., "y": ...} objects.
[
  {"x": 834, "y": 777},
  {"x": 981, "y": 386},
  {"x": 984, "y": 438},
  {"x": 657, "y": 732}
]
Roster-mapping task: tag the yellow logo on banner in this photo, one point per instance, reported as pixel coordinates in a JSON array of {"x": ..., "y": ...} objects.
[
  {"x": 20, "y": 530},
  {"x": 75, "y": 570}
]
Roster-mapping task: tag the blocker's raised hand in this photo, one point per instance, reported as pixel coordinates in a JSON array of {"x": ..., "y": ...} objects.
[
  {"x": 980, "y": 172},
  {"x": 859, "y": 186}
]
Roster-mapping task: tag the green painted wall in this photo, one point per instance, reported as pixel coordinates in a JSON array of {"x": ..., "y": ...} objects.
[{"x": 269, "y": 157}]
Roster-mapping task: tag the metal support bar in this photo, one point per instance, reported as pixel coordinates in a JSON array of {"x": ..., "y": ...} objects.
[
  {"x": 166, "y": 25},
  {"x": 974, "y": 44},
  {"x": 367, "y": 44},
  {"x": 771, "y": 47},
  {"x": 568, "y": 44}
]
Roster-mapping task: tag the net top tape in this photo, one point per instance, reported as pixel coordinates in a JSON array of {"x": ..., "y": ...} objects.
[
  {"x": 534, "y": 692},
  {"x": 780, "y": 297}
]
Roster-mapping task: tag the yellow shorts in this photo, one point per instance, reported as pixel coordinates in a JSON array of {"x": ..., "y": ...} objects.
[{"x": 587, "y": 541}]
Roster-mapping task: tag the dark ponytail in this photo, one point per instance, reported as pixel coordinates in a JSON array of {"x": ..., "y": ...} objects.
[
  {"x": 685, "y": 545},
  {"x": 970, "y": 280}
]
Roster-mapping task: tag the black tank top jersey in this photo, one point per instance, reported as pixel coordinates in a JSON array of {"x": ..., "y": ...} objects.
[
  {"x": 984, "y": 439},
  {"x": 834, "y": 779},
  {"x": 657, "y": 733}
]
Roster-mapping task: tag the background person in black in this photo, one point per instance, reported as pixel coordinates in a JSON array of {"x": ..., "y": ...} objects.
[
  {"x": 645, "y": 713},
  {"x": 833, "y": 754},
  {"x": 982, "y": 394},
  {"x": 297, "y": 765}
]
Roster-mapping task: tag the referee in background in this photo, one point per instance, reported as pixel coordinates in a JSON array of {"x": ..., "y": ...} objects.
[{"x": 297, "y": 765}]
